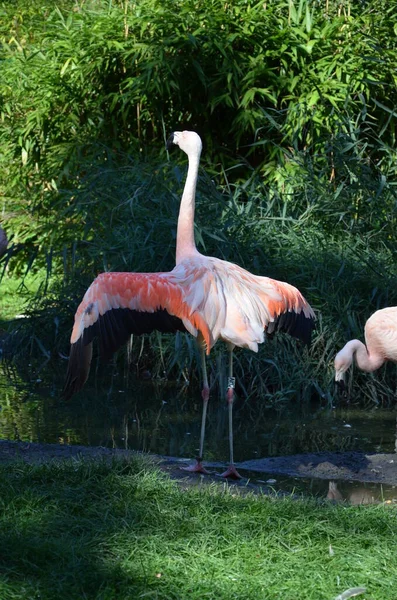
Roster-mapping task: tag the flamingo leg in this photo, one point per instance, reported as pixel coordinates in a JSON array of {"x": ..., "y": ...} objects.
[
  {"x": 205, "y": 394},
  {"x": 231, "y": 471}
]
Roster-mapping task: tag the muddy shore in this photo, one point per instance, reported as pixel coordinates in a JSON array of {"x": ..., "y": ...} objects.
[{"x": 347, "y": 466}]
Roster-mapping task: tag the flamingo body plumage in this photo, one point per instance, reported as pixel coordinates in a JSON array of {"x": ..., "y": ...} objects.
[{"x": 210, "y": 298}]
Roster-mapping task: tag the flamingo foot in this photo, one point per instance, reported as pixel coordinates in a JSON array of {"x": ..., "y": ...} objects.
[
  {"x": 231, "y": 472},
  {"x": 196, "y": 468}
]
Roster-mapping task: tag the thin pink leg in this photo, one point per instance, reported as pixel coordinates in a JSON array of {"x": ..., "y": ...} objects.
[
  {"x": 231, "y": 471},
  {"x": 205, "y": 394}
]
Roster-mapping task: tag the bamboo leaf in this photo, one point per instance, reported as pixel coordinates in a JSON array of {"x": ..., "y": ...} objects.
[
  {"x": 308, "y": 19},
  {"x": 65, "y": 66}
]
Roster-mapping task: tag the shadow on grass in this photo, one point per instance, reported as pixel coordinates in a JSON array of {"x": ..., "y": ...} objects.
[
  {"x": 121, "y": 530},
  {"x": 57, "y": 529}
]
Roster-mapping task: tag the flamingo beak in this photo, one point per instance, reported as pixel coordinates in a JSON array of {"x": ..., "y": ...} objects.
[
  {"x": 340, "y": 385},
  {"x": 170, "y": 142}
]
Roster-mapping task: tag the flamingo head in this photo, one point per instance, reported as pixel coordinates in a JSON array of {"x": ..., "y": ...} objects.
[
  {"x": 188, "y": 141},
  {"x": 342, "y": 362}
]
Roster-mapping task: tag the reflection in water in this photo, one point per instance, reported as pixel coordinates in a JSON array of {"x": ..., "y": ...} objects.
[
  {"x": 360, "y": 493},
  {"x": 333, "y": 492},
  {"x": 166, "y": 420},
  {"x": 349, "y": 492}
]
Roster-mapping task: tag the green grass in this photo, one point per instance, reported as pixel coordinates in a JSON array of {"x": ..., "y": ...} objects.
[
  {"x": 125, "y": 531},
  {"x": 15, "y": 293}
]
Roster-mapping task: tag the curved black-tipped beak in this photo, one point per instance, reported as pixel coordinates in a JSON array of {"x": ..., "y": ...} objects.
[
  {"x": 341, "y": 388},
  {"x": 170, "y": 142}
]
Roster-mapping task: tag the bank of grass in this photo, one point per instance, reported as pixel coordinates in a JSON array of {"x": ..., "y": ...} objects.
[{"x": 124, "y": 530}]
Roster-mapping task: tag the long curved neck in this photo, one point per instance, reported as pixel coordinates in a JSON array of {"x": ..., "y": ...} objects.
[
  {"x": 365, "y": 361},
  {"x": 185, "y": 244}
]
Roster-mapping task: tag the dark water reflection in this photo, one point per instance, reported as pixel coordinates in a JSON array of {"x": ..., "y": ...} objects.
[{"x": 166, "y": 420}]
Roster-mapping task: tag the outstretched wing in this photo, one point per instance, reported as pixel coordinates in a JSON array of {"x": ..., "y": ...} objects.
[
  {"x": 239, "y": 306},
  {"x": 117, "y": 305}
]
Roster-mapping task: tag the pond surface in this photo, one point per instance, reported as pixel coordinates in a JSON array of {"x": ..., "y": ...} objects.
[{"x": 166, "y": 420}]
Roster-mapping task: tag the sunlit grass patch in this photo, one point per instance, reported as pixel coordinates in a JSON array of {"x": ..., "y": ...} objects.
[
  {"x": 16, "y": 292},
  {"x": 124, "y": 530}
]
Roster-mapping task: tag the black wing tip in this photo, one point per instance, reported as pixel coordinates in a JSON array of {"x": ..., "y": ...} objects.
[
  {"x": 69, "y": 390},
  {"x": 170, "y": 142},
  {"x": 341, "y": 389},
  {"x": 113, "y": 329},
  {"x": 78, "y": 368},
  {"x": 115, "y": 326},
  {"x": 297, "y": 325}
]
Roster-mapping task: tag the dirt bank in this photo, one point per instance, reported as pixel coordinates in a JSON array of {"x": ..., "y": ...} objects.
[
  {"x": 348, "y": 466},
  {"x": 351, "y": 466}
]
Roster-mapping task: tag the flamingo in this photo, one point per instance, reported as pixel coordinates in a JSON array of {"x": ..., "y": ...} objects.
[
  {"x": 210, "y": 298},
  {"x": 380, "y": 333}
]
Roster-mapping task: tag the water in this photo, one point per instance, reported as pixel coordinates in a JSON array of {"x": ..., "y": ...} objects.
[{"x": 166, "y": 420}]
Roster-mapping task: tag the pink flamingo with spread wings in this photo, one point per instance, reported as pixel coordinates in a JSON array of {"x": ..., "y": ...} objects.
[
  {"x": 210, "y": 298},
  {"x": 380, "y": 345}
]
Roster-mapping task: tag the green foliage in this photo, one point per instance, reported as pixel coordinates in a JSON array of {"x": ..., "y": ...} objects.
[
  {"x": 345, "y": 278},
  {"x": 99, "y": 530},
  {"x": 295, "y": 102},
  {"x": 278, "y": 83}
]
